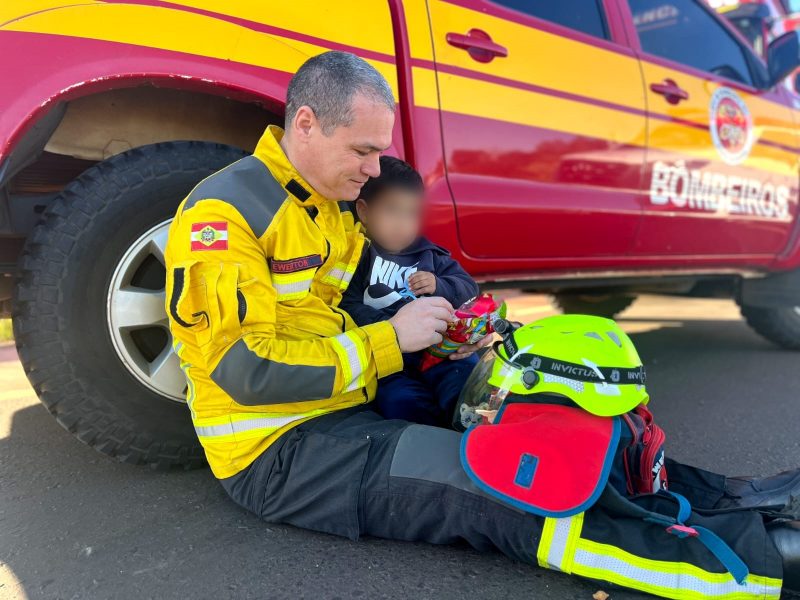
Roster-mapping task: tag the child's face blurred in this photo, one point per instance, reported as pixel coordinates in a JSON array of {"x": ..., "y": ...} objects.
[{"x": 392, "y": 218}]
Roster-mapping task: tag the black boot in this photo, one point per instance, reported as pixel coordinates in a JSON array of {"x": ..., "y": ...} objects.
[
  {"x": 779, "y": 493},
  {"x": 786, "y": 536}
]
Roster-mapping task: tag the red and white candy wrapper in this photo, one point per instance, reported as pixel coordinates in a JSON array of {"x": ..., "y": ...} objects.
[{"x": 473, "y": 322}]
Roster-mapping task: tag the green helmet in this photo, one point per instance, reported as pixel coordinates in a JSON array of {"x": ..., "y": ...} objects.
[{"x": 587, "y": 359}]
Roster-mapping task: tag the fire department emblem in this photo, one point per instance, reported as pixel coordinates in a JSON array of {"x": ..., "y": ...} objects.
[{"x": 731, "y": 126}]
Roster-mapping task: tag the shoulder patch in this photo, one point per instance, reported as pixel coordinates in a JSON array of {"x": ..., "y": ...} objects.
[
  {"x": 210, "y": 235},
  {"x": 249, "y": 187}
]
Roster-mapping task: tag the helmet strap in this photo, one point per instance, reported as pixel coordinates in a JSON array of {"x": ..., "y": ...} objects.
[{"x": 575, "y": 371}]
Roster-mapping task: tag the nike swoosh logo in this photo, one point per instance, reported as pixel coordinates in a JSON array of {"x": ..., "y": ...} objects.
[{"x": 382, "y": 302}]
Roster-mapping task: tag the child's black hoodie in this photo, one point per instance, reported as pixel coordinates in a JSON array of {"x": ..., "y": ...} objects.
[{"x": 378, "y": 288}]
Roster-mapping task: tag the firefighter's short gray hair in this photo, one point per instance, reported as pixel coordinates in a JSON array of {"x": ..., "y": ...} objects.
[{"x": 327, "y": 83}]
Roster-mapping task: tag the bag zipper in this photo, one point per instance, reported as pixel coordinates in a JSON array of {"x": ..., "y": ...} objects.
[
  {"x": 633, "y": 428},
  {"x": 625, "y": 461},
  {"x": 653, "y": 441}
]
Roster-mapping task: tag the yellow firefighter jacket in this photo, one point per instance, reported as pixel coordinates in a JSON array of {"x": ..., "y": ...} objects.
[{"x": 256, "y": 265}]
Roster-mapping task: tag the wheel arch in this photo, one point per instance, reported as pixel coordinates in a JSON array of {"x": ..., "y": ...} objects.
[
  {"x": 106, "y": 117},
  {"x": 41, "y": 89},
  {"x": 99, "y": 101}
]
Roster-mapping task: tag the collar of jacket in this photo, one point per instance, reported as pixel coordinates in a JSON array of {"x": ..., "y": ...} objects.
[{"x": 269, "y": 151}]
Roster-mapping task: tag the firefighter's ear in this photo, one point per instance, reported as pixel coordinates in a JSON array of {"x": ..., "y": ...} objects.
[
  {"x": 304, "y": 122},
  {"x": 361, "y": 210}
]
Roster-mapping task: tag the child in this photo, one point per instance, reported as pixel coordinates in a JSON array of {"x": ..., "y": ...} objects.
[{"x": 396, "y": 267}]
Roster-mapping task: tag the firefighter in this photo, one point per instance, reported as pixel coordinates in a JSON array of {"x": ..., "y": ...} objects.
[{"x": 280, "y": 379}]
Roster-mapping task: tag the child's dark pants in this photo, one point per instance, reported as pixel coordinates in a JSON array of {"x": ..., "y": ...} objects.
[{"x": 427, "y": 397}]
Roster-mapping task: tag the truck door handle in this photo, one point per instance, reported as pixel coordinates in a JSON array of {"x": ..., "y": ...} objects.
[
  {"x": 478, "y": 45},
  {"x": 671, "y": 91}
]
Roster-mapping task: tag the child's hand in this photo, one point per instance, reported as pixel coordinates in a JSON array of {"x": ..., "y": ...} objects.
[
  {"x": 469, "y": 349},
  {"x": 422, "y": 283}
]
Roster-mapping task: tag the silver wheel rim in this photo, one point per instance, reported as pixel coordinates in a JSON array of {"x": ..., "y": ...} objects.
[{"x": 137, "y": 319}]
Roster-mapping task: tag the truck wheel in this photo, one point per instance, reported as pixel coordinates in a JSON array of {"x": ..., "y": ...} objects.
[
  {"x": 601, "y": 305},
  {"x": 89, "y": 318},
  {"x": 780, "y": 326}
]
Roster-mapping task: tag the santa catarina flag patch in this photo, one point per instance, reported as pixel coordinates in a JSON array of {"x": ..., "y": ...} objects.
[{"x": 210, "y": 236}]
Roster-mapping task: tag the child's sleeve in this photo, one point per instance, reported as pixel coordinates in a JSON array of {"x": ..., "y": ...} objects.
[
  {"x": 452, "y": 282},
  {"x": 353, "y": 298}
]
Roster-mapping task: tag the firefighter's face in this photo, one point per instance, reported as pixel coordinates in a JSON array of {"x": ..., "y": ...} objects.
[{"x": 339, "y": 163}]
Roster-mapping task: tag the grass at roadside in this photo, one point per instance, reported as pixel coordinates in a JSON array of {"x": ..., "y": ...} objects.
[{"x": 6, "y": 335}]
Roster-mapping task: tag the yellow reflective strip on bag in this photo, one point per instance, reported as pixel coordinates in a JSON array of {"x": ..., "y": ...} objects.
[
  {"x": 669, "y": 579},
  {"x": 573, "y": 535},
  {"x": 557, "y": 545},
  {"x": 545, "y": 542}
]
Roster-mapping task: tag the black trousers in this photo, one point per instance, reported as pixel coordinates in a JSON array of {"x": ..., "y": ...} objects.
[{"x": 354, "y": 473}]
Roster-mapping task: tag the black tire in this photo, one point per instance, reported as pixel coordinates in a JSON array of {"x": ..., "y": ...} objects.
[
  {"x": 59, "y": 311},
  {"x": 780, "y": 326},
  {"x": 600, "y": 305}
]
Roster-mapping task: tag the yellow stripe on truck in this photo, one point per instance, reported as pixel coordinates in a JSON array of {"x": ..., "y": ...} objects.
[
  {"x": 774, "y": 128},
  {"x": 503, "y": 103},
  {"x": 180, "y": 31},
  {"x": 341, "y": 21},
  {"x": 685, "y": 141},
  {"x": 540, "y": 58}
]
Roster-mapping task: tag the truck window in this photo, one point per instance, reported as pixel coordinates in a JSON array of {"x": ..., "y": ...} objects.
[
  {"x": 685, "y": 32},
  {"x": 581, "y": 15}
]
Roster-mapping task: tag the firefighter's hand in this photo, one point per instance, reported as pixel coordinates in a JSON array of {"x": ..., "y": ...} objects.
[
  {"x": 470, "y": 349},
  {"x": 422, "y": 283},
  {"x": 420, "y": 323}
]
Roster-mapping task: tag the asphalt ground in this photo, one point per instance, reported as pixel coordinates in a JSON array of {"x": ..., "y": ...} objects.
[{"x": 75, "y": 524}]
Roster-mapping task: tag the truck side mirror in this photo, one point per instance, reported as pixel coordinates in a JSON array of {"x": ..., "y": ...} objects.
[{"x": 783, "y": 56}]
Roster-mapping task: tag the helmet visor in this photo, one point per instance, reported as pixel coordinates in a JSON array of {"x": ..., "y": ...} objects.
[{"x": 480, "y": 401}]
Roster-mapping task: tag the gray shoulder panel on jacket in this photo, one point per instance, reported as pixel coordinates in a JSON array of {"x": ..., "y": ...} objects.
[{"x": 249, "y": 187}]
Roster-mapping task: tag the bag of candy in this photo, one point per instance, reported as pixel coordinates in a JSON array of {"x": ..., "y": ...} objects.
[{"x": 473, "y": 321}]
